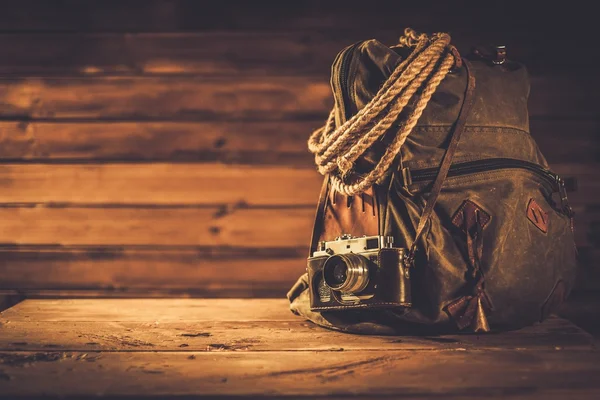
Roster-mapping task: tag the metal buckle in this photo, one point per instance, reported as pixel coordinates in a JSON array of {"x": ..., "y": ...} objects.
[{"x": 500, "y": 55}]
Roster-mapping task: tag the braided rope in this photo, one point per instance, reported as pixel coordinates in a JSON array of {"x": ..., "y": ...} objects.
[{"x": 416, "y": 78}]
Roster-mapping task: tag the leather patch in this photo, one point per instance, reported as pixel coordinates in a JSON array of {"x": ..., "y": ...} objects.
[
  {"x": 537, "y": 215},
  {"x": 467, "y": 216},
  {"x": 471, "y": 311},
  {"x": 355, "y": 215}
]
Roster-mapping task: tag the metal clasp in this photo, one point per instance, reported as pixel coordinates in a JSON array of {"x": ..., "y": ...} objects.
[
  {"x": 564, "y": 201},
  {"x": 500, "y": 55}
]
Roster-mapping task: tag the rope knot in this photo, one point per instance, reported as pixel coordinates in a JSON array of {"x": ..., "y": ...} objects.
[
  {"x": 344, "y": 165},
  {"x": 411, "y": 38}
]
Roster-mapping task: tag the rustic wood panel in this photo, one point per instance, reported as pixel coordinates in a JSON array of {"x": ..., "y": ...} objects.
[
  {"x": 234, "y": 15},
  {"x": 589, "y": 261},
  {"x": 583, "y": 310},
  {"x": 150, "y": 310},
  {"x": 9, "y": 300},
  {"x": 489, "y": 373},
  {"x": 587, "y": 184},
  {"x": 231, "y": 52},
  {"x": 193, "y": 184},
  {"x": 268, "y": 336},
  {"x": 568, "y": 140},
  {"x": 279, "y": 143},
  {"x": 159, "y": 183},
  {"x": 191, "y": 226},
  {"x": 241, "y": 347},
  {"x": 199, "y": 98},
  {"x": 185, "y": 88},
  {"x": 152, "y": 270},
  {"x": 211, "y": 226},
  {"x": 189, "y": 98},
  {"x": 217, "y": 53},
  {"x": 326, "y": 374}
]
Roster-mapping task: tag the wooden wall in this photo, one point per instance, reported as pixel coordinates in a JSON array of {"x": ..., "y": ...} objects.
[{"x": 158, "y": 147}]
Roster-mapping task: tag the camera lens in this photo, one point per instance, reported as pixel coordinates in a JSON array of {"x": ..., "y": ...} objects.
[
  {"x": 339, "y": 273},
  {"x": 347, "y": 273}
]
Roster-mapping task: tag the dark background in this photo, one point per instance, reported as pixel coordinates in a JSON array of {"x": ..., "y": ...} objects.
[{"x": 152, "y": 148}]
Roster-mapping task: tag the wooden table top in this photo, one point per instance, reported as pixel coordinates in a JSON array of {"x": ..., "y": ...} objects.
[{"x": 188, "y": 348}]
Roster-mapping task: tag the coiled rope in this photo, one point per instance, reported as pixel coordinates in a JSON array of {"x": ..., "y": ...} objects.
[{"x": 416, "y": 78}]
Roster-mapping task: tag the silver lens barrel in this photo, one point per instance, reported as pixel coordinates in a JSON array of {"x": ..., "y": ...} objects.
[{"x": 348, "y": 273}]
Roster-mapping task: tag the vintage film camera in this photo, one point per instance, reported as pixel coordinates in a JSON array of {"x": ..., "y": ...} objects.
[{"x": 358, "y": 272}]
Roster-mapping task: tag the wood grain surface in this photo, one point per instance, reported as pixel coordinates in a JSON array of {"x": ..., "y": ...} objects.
[
  {"x": 153, "y": 310},
  {"x": 299, "y": 52},
  {"x": 184, "y": 98},
  {"x": 245, "y": 143},
  {"x": 268, "y": 336},
  {"x": 126, "y": 127},
  {"x": 159, "y": 184},
  {"x": 156, "y": 226},
  {"x": 218, "y": 98},
  {"x": 201, "y": 348},
  {"x": 278, "y": 143},
  {"x": 154, "y": 270}
]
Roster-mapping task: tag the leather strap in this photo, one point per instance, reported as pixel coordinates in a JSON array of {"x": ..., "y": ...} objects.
[
  {"x": 319, "y": 217},
  {"x": 456, "y": 133}
]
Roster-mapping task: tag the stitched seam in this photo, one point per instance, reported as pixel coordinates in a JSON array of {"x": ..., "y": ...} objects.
[
  {"x": 472, "y": 128},
  {"x": 478, "y": 177},
  {"x": 362, "y": 306}
]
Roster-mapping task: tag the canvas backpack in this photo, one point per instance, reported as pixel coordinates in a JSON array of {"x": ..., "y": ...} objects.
[{"x": 469, "y": 192}]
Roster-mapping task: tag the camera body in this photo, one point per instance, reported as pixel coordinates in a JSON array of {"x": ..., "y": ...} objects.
[{"x": 358, "y": 272}]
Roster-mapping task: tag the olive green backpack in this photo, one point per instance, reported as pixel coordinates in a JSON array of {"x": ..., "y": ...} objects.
[{"x": 481, "y": 228}]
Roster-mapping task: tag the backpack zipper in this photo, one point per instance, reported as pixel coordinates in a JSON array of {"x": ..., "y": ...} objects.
[
  {"x": 471, "y": 167},
  {"x": 342, "y": 81}
]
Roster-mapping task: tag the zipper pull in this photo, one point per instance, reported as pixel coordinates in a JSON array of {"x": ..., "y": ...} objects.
[{"x": 562, "y": 192}]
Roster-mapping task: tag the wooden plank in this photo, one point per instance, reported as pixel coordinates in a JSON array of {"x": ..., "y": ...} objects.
[
  {"x": 589, "y": 262},
  {"x": 214, "y": 53},
  {"x": 587, "y": 182},
  {"x": 155, "y": 271},
  {"x": 72, "y": 16},
  {"x": 210, "y": 226},
  {"x": 270, "y": 227},
  {"x": 295, "y": 335},
  {"x": 182, "y": 15},
  {"x": 122, "y": 270},
  {"x": 567, "y": 140},
  {"x": 193, "y": 184},
  {"x": 159, "y": 183},
  {"x": 234, "y": 52},
  {"x": 189, "y": 98},
  {"x": 586, "y": 227},
  {"x": 554, "y": 96},
  {"x": 281, "y": 143},
  {"x": 7, "y": 300},
  {"x": 587, "y": 185},
  {"x": 583, "y": 309},
  {"x": 458, "y": 374},
  {"x": 253, "y": 98},
  {"x": 149, "y": 310}
]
